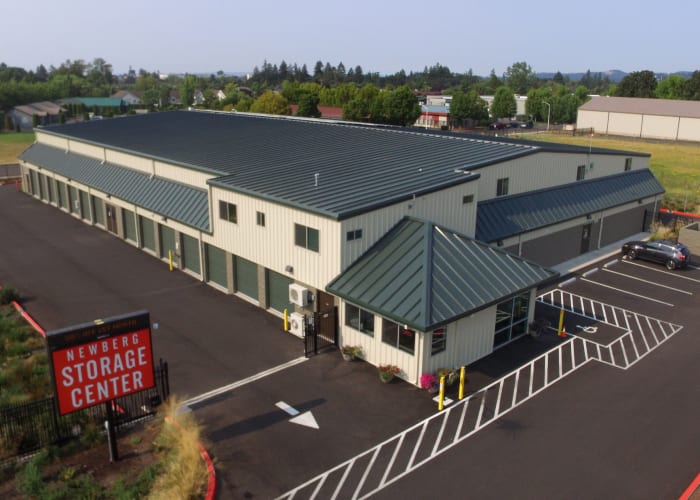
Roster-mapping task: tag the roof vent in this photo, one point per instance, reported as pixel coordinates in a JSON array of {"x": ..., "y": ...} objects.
[{"x": 316, "y": 180}]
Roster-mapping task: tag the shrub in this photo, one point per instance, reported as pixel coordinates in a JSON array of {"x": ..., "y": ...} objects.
[
  {"x": 428, "y": 381},
  {"x": 8, "y": 294}
]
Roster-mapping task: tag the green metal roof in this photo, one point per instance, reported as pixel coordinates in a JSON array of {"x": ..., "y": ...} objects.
[
  {"x": 102, "y": 102},
  {"x": 334, "y": 169},
  {"x": 425, "y": 276},
  {"x": 507, "y": 216},
  {"x": 170, "y": 199}
]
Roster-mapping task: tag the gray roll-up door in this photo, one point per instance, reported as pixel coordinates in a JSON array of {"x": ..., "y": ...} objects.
[
  {"x": 278, "y": 291},
  {"x": 190, "y": 253},
  {"x": 216, "y": 265},
  {"x": 246, "y": 277}
]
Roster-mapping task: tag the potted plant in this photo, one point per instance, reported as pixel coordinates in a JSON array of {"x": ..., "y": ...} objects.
[
  {"x": 450, "y": 375},
  {"x": 429, "y": 382},
  {"x": 387, "y": 372},
  {"x": 351, "y": 352}
]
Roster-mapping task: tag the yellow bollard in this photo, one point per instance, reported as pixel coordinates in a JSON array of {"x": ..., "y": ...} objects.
[
  {"x": 441, "y": 399},
  {"x": 286, "y": 321},
  {"x": 170, "y": 258},
  {"x": 561, "y": 322},
  {"x": 462, "y": 379}
]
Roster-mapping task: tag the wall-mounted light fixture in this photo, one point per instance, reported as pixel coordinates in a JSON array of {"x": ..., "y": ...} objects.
[
  {"x": 289, "y": 269},
  {"x": 499, "y": 243},
  {"x": 588, "y": 217}
]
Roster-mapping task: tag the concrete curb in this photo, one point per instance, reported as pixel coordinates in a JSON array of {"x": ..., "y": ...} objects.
[
  {"x": 29, "y": 319},
  {"x": 692, "y": 487}
]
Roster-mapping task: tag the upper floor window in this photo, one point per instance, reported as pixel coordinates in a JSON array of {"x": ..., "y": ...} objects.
[
  {"x": 306, "y": 237},
  {"x": 439, "y": 341},
  {"x": 580, "y": 172},
  {"x": 628, "y": 164},
  {"x": 355, "y": 234},
  {"x": 227, "y": 211},
  {"x": 467, "y": 198},
  {"x": 502, "y": 187},
  {"x": 260, "y": 218}
]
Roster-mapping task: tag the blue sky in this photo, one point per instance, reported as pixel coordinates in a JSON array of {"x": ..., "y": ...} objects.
[{"x": 380, "y": 35}]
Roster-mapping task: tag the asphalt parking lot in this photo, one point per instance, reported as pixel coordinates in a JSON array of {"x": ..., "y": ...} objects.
[{"x": 625, "y": 427}]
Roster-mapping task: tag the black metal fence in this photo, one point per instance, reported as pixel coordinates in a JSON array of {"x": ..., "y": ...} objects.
[
  {"x": 320, "y": 332},
  {"x": 31, "y": 426}
]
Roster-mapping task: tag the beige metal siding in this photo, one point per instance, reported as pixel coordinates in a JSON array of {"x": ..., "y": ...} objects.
[
  {"x": 660, "y": 127},
  {"x": 625, "y": 124},
  {"x": 139, "y": 163},
  {"x": 597, "y": 120},
  {"x": 183, "y": 175},
  {"x": 689, "y": 129},
  {"x": 51, "y": 140},
  {"x": 445, "y": 208},
  {"x": 272, "y": 246},
  {"x": 89, "y": 150}
]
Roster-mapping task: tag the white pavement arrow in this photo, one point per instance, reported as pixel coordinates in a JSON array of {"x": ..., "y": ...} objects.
[{"x": 306, "y": 419}]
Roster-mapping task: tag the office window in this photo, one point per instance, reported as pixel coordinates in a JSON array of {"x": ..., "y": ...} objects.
[
  {"x": 502, "y": 187},
  {"x": 469, "y": 198},
  {"x": 399, "y": 337},
  {"x": 580, "y": 172},
  {"x": 355, "y": 234},
  {"x": 306, "y": 237},
  {"x": 359, "y": 319},
  {"x": 260, "y": 218},
  {"x": 227, "y": 211},
  {"x": 628, "y": 164},
  {"x": 439, "y": 341}
]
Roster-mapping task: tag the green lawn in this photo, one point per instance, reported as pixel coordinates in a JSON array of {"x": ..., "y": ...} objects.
[
  {"x": 676, "y": 166},
  {"x": 12, "y": 144}
]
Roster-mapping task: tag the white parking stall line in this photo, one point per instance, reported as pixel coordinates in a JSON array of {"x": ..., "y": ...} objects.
[
  {"x": 649, "y": 281},
  {"x": 675, "y": 274},
  {"x": 653, "y": 330},
  {"x": 641, "y": 332},
  {"x": 628, "y": 293}
]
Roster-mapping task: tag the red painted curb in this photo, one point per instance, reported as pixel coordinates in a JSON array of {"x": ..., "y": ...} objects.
[
  {"x": 691, "y": 489},
  {"x": 29, "y": 319},
  {"x": 211, "y": 485}
]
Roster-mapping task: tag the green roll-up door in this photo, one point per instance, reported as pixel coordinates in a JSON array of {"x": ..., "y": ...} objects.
[
  {"x": 216, "y": 265},
  {"x": 190, "y": 254},
  {"x": 246, "y": 277},
  {"x": 51, "y": 189},
  {"x": 73, "y": 200},
  {"x": 35, "y": 183},
  {"x": 278, "y": 291},
  {"x": 98, "y": 211},
  {"x": 61, "y": 194},
  {"x": 84, "y": 205},
  {"x": 148, "y": 234},
  {"x": 167, "y": 241},
  {"x": 129, "y": 225}
]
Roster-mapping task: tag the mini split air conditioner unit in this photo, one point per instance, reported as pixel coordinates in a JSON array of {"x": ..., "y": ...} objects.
[
  {"x": 296, "y": 324},
  {"x": 299, "y": 295}
]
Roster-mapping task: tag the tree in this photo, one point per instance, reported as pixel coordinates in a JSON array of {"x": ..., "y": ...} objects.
[
  {"x": 519, "y": 77},
  {"x": 691, "y": 88},
  {"x": 671, "y": 87},
  {"x": 308, "y": 104},
  {"x": 504, "y": 105},
  {"x": 359, "y": 107},
  {"x": 187, "y": 89},
  {"x": 402, "y": 107},
  {"x": 272, "y": 104},
  {"x": 468, "y": 106},
  {"x": 638, "y": 84}
]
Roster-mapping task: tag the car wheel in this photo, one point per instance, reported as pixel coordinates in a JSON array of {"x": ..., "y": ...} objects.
[
  {"x": 670, "y": 265},
  {"x": 631, "y": 255}
]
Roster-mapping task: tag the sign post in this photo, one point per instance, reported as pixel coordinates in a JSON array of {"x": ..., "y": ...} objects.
[{"x": 101, "y": 361}]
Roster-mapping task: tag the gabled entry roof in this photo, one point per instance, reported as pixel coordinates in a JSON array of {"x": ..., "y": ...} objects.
[
  {"x": 507, "y": 216},
  {"x": 425, "y": 276}
]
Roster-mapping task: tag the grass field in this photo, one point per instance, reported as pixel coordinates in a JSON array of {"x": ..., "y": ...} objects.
[
  {"x": 12, "y": 144},
  {"x": 676, "y": 166}
]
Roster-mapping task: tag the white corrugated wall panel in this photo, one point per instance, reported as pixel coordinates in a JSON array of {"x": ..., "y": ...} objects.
[
  {"x": 598, "y": 120},
  {"x": 139, "y": 163}
]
